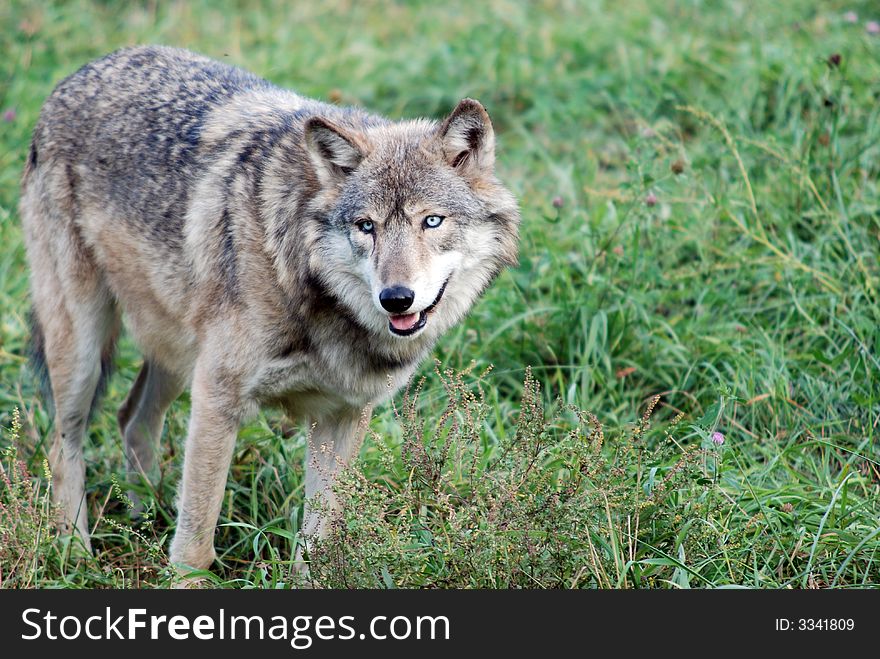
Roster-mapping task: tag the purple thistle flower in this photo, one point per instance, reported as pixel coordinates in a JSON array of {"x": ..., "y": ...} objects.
[
  {"x": 558, "y": 202},
  {"x": 872, "y": 27},
  {"x": 717, "y": 438},
  {"x": 851, "y": 17},
  {"x": 651, "y": 199},
  {"x": 9, "y": 115}
]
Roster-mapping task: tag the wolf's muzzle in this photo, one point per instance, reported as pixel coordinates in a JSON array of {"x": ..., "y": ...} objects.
[{"x": 408, "y": 324}]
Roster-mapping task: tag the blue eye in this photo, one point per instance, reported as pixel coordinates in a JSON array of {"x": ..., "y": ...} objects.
[
  {"x": 434, "y": 221},
  {"x": 366, "y": 226}
]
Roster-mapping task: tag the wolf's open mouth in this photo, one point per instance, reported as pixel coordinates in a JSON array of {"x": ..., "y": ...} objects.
[{"x": 407, "y": 324}]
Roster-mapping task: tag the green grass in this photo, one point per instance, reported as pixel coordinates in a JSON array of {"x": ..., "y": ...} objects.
[{"x": 717, "y": 245}]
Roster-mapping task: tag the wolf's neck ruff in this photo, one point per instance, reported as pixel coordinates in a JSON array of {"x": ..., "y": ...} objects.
[{"x": 264, "y": 248}]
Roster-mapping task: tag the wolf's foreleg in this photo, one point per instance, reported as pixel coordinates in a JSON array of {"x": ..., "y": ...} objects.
[
  {"x": 213, "y": 427},
  {"x": 335, "y": 440}
]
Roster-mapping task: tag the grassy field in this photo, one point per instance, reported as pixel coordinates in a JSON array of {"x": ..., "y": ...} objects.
[{"x": 699, "y": 187}]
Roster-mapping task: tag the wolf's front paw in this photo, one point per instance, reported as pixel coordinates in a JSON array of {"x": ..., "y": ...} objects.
[{"x": 191, "y": 555}]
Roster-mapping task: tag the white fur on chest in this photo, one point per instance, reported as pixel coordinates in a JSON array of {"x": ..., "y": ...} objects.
[{"x": 312, "y": 387}]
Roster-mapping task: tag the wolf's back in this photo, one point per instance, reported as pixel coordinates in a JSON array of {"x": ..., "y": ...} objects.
[
  {"x": 142, "y": 100},
  {"x": 133, "y": 121}
]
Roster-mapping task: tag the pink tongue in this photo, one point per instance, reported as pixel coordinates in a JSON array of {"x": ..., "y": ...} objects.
[{"x": 404, "y": 322}]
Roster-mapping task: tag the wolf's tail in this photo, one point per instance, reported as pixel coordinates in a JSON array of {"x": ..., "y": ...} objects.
[{"x": 36, "y": 354}]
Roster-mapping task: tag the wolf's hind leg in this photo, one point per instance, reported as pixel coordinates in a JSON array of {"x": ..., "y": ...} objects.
[
  {"x": 76, "y": 314},
  {"x": 78, "y": 334},
  {"x": 141, "y": 418}
]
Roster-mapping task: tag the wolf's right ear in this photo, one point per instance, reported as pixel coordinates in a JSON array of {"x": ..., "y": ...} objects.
[
  {"x": 468, "y": 139},
  {"x": 335, "y": 152}
]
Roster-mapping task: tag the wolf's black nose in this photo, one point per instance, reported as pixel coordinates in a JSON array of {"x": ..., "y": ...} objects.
[{"x": 397, "y": 299}]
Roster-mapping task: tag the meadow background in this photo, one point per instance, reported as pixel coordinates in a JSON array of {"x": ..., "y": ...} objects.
[{"x": 699, "y": 188}]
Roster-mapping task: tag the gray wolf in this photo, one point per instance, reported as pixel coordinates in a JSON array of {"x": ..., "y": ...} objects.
[{"x": 263, "y": 248}]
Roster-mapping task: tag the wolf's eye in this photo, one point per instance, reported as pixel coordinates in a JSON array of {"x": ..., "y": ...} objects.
[
  {"x": 366, "y": 226},
  {"x": 434, "y": 221}
]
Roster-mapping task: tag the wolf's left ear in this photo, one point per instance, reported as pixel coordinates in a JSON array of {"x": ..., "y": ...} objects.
[
  {"x": 468, "y": 139},
  {"x": 335, "y": 152}
]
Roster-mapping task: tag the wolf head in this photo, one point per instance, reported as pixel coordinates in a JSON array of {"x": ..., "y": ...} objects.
[{"x": 417, "y": 225}]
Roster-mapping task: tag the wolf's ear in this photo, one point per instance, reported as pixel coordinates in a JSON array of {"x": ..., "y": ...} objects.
[
  {"x": 468, "y": 139},
  {"x": 334, "y": 151}
]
